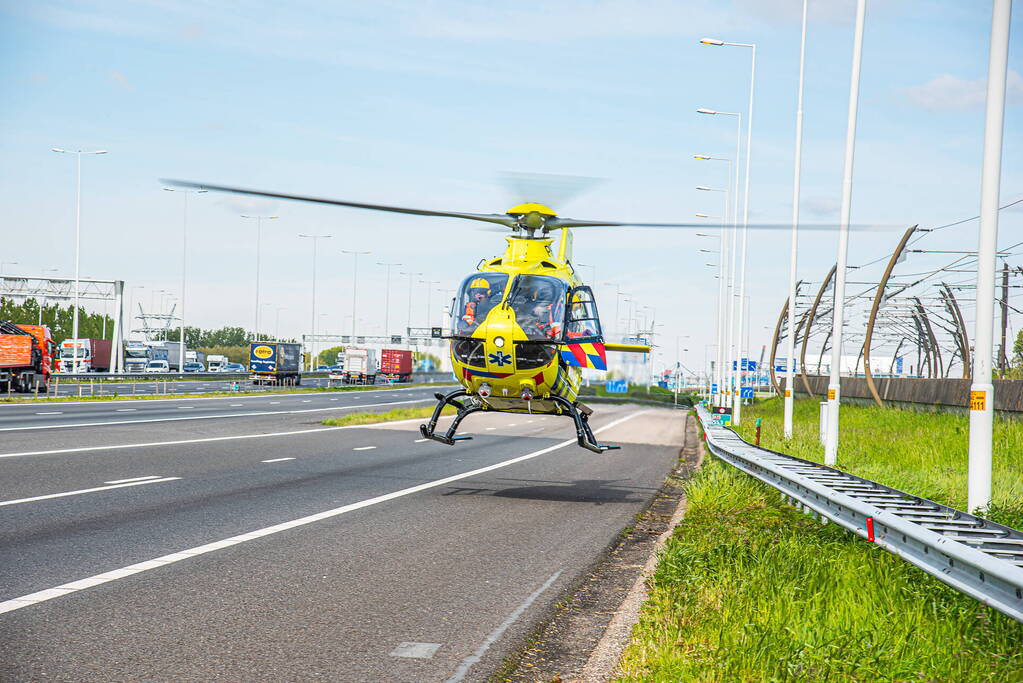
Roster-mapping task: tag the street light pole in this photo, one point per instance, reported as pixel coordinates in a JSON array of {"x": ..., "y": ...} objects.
[
  {"x": 78, "y": 238},
  {"x": 429, "y": 296},
  {"x": 277, "y": 327},
  {"x": 736, "y": 396},
  {"x": 982, "y": 391},
  {"x": 790, "y": 346},
  {"x": 410, "y": 274},
  {"x": 387, "y": 297},
  {"x": 259, "y": 239},
  {"x": 355, "y": 283},
  {"x": 834, "y": 381},
  {"x": 314, "y": 238},
  {"x": 724, "y": 304},
  {"x": 184, "y": 253}
]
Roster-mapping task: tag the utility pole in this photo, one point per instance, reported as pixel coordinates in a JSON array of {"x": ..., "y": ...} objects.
[
  {"x": 1005, "y": 319},
  {"x": 982, "y": 390}
]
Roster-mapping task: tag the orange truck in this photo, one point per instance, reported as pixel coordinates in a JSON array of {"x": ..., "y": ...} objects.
[{"x": 26, "y": 357}]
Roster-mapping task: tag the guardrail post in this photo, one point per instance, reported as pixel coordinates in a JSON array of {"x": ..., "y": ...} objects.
[{"x": 758, "y": 431}]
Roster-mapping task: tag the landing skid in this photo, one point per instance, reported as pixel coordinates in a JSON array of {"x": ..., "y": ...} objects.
[{"x": 578, "y": 412}]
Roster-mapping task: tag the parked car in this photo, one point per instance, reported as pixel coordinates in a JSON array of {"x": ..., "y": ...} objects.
[
  {"x": 157, "y": 366},
  {"x": 233, "y": 367},
  {"x": 195, "y": 367}
]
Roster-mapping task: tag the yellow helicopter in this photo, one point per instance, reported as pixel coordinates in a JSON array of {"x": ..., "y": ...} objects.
[{"x": 523, "y": 326}]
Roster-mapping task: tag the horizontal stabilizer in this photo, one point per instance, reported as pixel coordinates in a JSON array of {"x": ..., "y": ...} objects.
[{"x": 628, "y": 348}]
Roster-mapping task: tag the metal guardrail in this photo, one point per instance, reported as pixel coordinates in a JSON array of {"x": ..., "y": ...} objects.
[
  {"x": 971, "y": 554},
  {"x": 207, "y": 376}
]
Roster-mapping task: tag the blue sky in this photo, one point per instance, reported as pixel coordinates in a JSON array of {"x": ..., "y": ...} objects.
[{"x": 426, "y": 103}]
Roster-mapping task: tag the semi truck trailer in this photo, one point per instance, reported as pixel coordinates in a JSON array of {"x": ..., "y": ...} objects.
[
  {"x": 360, "y": 366},
  {"x": 26, "y": 357},
  {"x": 84, "y": 355},
  {"x": 275, "y": 362},
  {"x": 396, "y": 365}
]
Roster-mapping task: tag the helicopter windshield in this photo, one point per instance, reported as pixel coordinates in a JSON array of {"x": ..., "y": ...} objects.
[
  {"x": 479, "y": 293},
  {"x": 539, "y": 305}
]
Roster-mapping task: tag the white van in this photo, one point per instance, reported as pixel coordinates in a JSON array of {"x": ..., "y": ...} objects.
[{"x": 157, "y": 366}]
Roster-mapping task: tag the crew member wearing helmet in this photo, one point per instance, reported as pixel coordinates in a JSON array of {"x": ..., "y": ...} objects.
[{"x": 478, "y": 303}]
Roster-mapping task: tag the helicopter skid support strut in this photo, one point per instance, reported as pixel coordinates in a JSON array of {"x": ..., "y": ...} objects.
[
  {"x": 449, "y": 437},
  {"x": 581, "y": 415},
  {"x": 578, "y": 412}
]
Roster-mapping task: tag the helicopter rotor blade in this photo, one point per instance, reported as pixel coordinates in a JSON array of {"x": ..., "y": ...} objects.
[
  {"x": 499, "y": 218},
  {"x": 554, "y": 190},
  {"x": 557, "y": 223}
]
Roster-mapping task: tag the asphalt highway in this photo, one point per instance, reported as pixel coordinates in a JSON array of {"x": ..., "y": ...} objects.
[
  {"x": 265, "y": 546},
  {"x": 170, "y": 386}
]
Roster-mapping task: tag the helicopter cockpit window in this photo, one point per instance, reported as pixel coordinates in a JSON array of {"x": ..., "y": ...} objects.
[
  {"x": 583, "y": 324},
  {"x": 478, "y": 295},
  {"x": 539, "y": 305}
]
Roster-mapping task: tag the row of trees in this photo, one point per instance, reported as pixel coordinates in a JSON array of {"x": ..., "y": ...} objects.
[{"x": 60, "y": 319}]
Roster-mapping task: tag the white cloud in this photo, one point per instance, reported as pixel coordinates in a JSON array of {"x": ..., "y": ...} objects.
[
  {"x": 950, "y": 93},
  {"x": 119, "y": 79}
]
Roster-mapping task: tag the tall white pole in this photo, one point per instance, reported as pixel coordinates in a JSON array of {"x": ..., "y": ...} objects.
[
  {"x": 387, "y": 297},
  {"x": 259, "y": 250},
  {"x": 78, "y": 243},
  {"x": 184, "y": 260},
  {"x": 408, "y": 324},
  {"x": 184, "y": 255},
  {"x": 737, "y": 395},
  {"x": 355, "y": 284},
  {"x": 78, "y": 238},
  {"x": 982, "y": 390},
  {"x": 312, "y": 344},
  {"x": 834, "y": 398},
  {"x": 790, "y": 347}
]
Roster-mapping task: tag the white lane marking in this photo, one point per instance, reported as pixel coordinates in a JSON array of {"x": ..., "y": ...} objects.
[
  {"x": 512, "y": 424},
  {"x": 307, "y": 400},
  {"x": 52, "y": 413},
  {"x": 86, "y": 449},
  {"x": 16, "y": 406},
  {"x": 92, "y": 490},
  {"x": 106, "y": 577},
  {"x": 275, "y": 403},
  {"x": 490, "y": 429},
  {"x": 126, "y": 410},
  {"x": 364, "y": 448},
  {"x": 209, "y": 417},
  {"x": 416, "y": 650},
  {"x": 467, "y": 663},
  {"x": 529, "y": 422},
  {"x": 236, "y": 405},
  {"x": 420, "y": 440},
  {"x": 125, "y": 481},
  {"x": 277, "y": 459}
]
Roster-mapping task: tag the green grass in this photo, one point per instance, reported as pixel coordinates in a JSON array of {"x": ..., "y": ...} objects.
[
  {"x": 923, "y": 453},
  {"x": 641, "y": 392},
  {"x": 749, "y": 590},
  {"x": 389, "y": 416}
]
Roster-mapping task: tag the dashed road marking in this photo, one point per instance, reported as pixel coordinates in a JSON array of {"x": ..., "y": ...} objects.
[
  {"x": 130, "y": 570},
  {"x": 416, "y": 650},
  {"x": 420, "y": 440},
  {"x": 52, "y": 413},
  {"x": 127, "y": 410},
  {"x": 125, "y": 481},
  {"x": 92, "y": 490},
  {"x": 277, "y": 459},
  {"x": 363, "y": 448}
]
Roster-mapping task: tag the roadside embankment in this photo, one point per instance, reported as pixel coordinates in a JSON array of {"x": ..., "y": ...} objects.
[{"x": 749, "y": 589}]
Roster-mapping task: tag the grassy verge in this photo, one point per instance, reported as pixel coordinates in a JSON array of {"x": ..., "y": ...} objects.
[
  {"x": 389, "y": 416},
  {"x": 207, "y": 394},
  {"x": 921, "y": 453},
  {"x": 749, "y": 590},
  {"x": 641, "y": 392}
]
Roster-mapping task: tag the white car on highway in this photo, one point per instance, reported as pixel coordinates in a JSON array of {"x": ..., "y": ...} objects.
[{"x": 157, "y": 366}]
